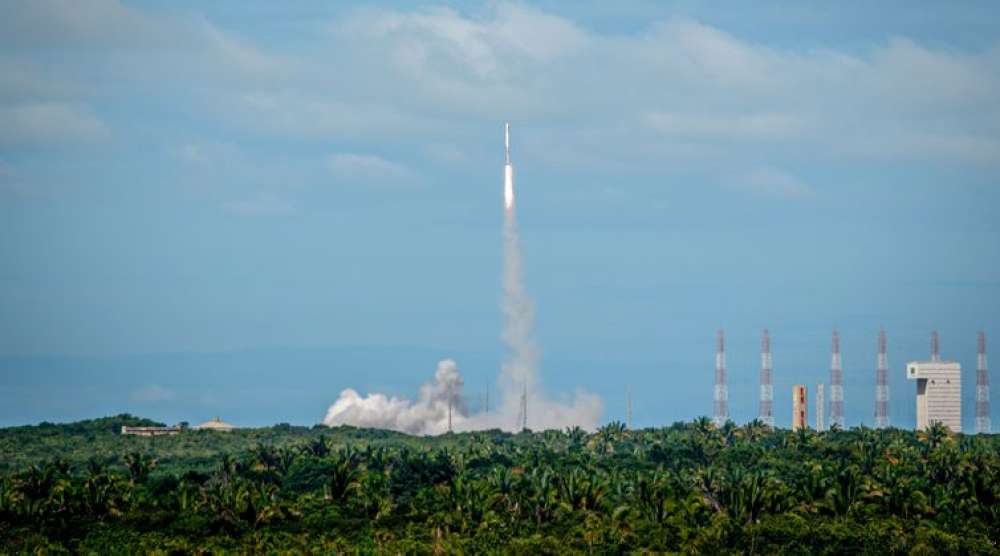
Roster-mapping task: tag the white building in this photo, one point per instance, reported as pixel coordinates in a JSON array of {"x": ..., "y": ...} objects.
[{"x": 939, "y": 393}]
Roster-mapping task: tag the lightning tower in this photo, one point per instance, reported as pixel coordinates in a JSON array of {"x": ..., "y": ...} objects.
[
  {"x": 522, "y": 413},
  {"x": 836, "y": 385},
  {"x": 935, "y": 347},
  {"x": 983, "y": 424},
  {"x": 820, "y": 425},
  {"x": 766, "y": 413},
  {"x": 882, "y": 384},
  {"x": 721, "y": 391}
]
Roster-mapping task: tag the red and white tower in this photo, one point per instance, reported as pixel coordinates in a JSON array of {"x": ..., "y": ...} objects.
[
  {"x": 882, "y": 384},
  {"x": 766, "y": 414},
  {"x": 721, "y": 390},
  {"x": 983, "y": 424},
  {"x": 836, "y": 385}
]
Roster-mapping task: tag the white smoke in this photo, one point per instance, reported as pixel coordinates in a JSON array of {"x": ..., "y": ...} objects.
[
  {"x": 521, "y": 397},
  {"x": 519, "y": 376},
  {"x": 427, "y": 415}
]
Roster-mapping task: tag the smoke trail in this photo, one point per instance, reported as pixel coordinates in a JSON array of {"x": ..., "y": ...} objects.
[
  {"x": 519, "y": 377},
  {"x": 519, "y": 383},
  {"x": 519, "y": 369}
]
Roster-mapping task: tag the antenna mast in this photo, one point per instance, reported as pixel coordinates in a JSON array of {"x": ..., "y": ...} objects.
[
  {"x": 836, "y": 385},
  {"x": 766, "y": 388},
  {"x": 820, "y": 424},
  {"x": 983, "y": 424},
  {"x": 882, "y": 383},
  {"x": 721, "y": 390}
]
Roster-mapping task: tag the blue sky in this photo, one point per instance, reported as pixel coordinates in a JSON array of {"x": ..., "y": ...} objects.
[{"x": 240, "y": 208}]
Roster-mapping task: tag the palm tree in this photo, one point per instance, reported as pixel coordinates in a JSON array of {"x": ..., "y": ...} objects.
[
  {"x": 581, "y": 490},
  {"x": 845, "y": 491},
  {"x": 543, "y": 498},
  {"x": 343, "y": 479},
  {"x": 139, "y": 466},
  {"x": 317, "y": 447},
  {"x": 755, "y": 430},
  {"x": 577, "y": 436},
  {"x": 935, "y": 435}
]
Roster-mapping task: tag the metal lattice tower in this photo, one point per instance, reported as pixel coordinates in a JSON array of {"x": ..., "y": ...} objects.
[
  {"x": 983, "y": 425},
  {"x": 766, "y": 414},
  {"x": 721, "y": 390},
  {"x": 524, "y": 408},
  {"x": 836, "y": 385},
  {"x": 820, "y": 425},
  {"x": 935, "y": 347},
  {"x": 882, "y": 384}
]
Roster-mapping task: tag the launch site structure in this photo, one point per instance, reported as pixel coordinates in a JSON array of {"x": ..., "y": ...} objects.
[
  {"x": 836, "y": 385},
  {"x": 939, "y": 390},
  {"x": 766, "y": 413},
  {"x": 983, "y": 425},
  {"x": 721, "y": 413},
  {"x": 800, "y": 407},
  {"x": 820, "y": 401},
  {"x": 882, "y": 383}
]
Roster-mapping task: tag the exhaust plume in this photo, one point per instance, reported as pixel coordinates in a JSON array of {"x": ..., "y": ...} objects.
[
  {"x": 427, "y": 415},
  {"x": 522, "y": 404}
]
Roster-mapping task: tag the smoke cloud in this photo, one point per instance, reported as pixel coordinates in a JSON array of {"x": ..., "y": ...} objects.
[
  {"x": 521, "y": 402},
  {"x": 427, "y": 415}
]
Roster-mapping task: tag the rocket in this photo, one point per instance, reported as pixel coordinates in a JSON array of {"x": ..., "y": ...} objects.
[
  {"x": 508, "y": 171},
  {"x": 506, "y": 144}
]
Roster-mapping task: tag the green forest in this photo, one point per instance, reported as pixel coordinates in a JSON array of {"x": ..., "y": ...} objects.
[{"x": 689, "y": 488}]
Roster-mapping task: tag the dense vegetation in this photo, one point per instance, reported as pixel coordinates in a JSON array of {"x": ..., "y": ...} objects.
[{"x": 690, "y": 488}]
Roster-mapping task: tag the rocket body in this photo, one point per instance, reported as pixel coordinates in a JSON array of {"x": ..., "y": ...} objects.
[{"x": 508, "y": 171}]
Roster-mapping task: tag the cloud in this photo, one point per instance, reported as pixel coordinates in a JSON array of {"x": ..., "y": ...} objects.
[
  {"x": 366, "y": 168},
  {"x": 303, "y": 114},
  {"x": 49, "y": 122},
  {"x": 207, "y": 154},
  {"x": 152, "y": 393},
  {"x": 772, "y": 182},
  {"x": 262, "y": 204},
  {"x": 744, "y": 126},
  {"x": 676, "y": 89}
]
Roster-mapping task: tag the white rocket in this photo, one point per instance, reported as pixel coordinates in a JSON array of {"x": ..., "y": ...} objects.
[{"x": 508, "y": 171}]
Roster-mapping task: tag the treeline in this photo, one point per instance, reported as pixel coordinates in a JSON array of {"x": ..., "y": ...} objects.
[{"x": 691, "y": 487}]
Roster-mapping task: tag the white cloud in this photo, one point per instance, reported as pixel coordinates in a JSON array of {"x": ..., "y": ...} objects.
[
  {"x": 49, "y": 122},
  {"x": 772, "y": 182},
  {"x": 367, "y": 168},
  {"x": 677, "y": 88},
  {"x": 744, "y": 126}
]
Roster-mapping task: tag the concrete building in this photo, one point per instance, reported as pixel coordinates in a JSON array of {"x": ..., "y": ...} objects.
[
  {"x": 150, "y": 431},
  {"x": 939, "y": 392},
  {"x": 800, "y": 407}
]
